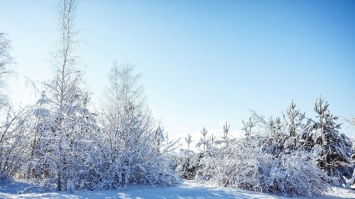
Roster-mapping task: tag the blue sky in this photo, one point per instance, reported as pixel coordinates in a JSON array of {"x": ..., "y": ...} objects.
[{"x": 203, "y": 62}]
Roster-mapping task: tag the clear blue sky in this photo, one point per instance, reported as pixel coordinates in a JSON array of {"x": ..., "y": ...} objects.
[{"x": 203, "y": 62}]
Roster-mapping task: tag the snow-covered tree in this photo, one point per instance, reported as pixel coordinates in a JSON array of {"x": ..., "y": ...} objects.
[
  {"x": 133, "y": 147},
  {"x": 37, "y": 167},
  {"x": 211, "y": 141},
  {"x": 203, "y": 141},
  {"x": 293, "y": 127},
  {"x": 273, "y": 132},
  {"x": 332, "y": 150},
  {"x": 188, "y": 141},
  {"x": 247, "y": 128},
  {"x": 63, "y": 124},
  {"x": 226, "y": 127},
  {"x": 293, "y": 120},
  {"x": 13, "y": 143},
  {"x": 13, "y": 140},
  {"x": 188, "y": 160}
]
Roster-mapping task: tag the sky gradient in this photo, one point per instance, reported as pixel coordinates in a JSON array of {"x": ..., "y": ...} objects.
[{"x": 203, "y": 62}]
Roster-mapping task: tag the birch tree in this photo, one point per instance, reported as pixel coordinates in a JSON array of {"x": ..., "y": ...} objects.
[
  {"x": 13, "y": 143},
  {"x": 134, "y": 146},
  {"x": 13, "y": 124},
  {"x": 64, "y": 149}
]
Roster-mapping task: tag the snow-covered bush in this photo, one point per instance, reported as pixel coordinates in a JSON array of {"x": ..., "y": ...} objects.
[
  {"x": 243, "y": 164},
  {"x": 141, "y": 163},
  {"x": 292, "y": 174},
  {"x": 231, "y": 166},
  {"x": 270, "y": 160}
]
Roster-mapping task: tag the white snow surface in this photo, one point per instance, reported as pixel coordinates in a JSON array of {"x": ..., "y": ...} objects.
[{"x": 186, "y": 190}]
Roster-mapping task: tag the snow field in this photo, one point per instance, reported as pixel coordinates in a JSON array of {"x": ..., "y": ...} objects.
[{"x": 186, "y": 190}]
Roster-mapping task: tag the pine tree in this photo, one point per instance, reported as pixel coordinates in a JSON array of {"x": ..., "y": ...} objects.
[
  {"x": 203, "y": 141},
  {"x": 225, "y": 131},
  {"x": 332, "y": 150},
  {"x": 293, "y": 120},
  {"x": 188, "y": 141},
  {"x": 247, "y": 128},
  {"x": 293, "y": 126}
]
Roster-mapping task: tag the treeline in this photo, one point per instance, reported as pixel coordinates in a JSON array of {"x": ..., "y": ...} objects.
[{"x": 292, "y": 155}]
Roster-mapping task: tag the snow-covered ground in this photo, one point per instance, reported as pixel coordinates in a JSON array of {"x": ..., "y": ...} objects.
[{"x": 187, "y": 190}]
